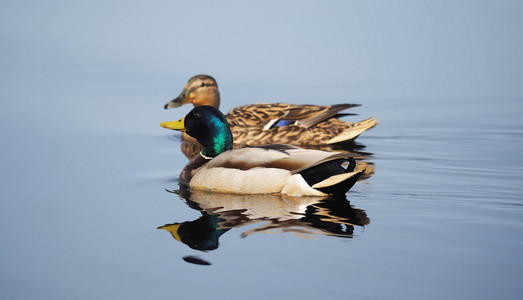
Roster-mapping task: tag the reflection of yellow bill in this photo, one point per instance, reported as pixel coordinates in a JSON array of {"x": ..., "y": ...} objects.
[
  {"x": 173, "y": 229},
  {"x": 174, "y": 125}
]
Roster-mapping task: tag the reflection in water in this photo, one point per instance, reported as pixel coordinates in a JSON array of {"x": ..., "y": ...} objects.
[
  {"x": 196, "y": 260},
  {"x": 302, "y": 216}
]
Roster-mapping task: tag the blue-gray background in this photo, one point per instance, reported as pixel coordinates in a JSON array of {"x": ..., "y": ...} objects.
[{"x": 84, "y": 163}]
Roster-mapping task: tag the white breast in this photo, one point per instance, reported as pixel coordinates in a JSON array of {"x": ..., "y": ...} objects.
[{"x": 252, "y": 181}]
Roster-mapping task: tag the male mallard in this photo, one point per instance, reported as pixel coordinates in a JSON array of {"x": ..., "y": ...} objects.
[
  {"x": 269, "y": 123},
  {"x": 271, "y": 169}
]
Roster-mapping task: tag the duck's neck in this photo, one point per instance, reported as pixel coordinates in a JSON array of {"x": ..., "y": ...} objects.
[{"x": 220, "y": 141}]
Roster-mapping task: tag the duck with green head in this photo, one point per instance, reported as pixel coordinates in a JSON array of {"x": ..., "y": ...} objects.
[{"x": 270, "y": 169}]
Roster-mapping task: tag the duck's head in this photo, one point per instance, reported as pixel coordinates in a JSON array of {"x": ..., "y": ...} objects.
[
  {"x": 208, "y": 126},
  {"x": 199, "y": 90}
]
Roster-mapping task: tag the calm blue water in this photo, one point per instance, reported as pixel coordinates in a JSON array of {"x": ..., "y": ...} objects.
[{"x": 86, "y": 169}]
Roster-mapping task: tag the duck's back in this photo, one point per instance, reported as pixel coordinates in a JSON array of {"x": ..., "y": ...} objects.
[
  {"x": 267, "y": 115},
  {"x": 267, "y": 123}
]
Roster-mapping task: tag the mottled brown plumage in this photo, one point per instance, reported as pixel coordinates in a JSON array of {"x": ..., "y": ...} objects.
[{"x": 326, "y": 132}]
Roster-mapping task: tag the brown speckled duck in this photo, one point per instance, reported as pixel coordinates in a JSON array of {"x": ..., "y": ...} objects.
[{"x": 269, "y": 123}]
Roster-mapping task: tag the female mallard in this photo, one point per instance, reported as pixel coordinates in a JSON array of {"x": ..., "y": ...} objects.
[
  {"x": 279, "y": 169},
  {"x": 269, "y": 123}
]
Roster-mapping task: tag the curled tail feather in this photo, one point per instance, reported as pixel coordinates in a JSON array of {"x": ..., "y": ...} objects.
[{"x": 354, "y": 131}]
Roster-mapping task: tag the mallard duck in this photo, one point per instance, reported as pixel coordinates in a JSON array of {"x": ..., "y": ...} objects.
[
  {"x": 269, "y": 123},
  {"x": 270, "y": 169}
]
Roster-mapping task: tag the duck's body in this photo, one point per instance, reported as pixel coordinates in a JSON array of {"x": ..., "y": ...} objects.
[
  {"x": 269, "y": 123},
  {"x": 305, "y": 125},
  {"x": 272, "y": 169},
  {"x": 260, "y": 170}
]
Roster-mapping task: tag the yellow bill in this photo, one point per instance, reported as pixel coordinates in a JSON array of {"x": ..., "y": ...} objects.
[{"x": 174, "y": 125}]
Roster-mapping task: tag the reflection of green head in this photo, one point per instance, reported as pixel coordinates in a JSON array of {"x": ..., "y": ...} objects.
[{"x": 200, "y": 234}]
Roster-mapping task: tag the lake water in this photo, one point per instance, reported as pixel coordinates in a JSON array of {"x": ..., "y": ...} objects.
[{"x": 88, "y": 174}]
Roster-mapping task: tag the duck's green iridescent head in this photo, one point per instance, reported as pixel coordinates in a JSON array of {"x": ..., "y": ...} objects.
[{"x": 208, "y": 126}]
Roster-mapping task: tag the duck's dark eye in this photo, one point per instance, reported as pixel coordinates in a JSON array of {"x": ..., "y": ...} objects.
[
  {"x": 203, "y": 84},
  {"x": 197, "y": 115}
]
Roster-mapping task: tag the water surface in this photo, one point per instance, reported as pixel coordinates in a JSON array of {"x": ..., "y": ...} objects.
[{"x": 87, "y": 171}]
